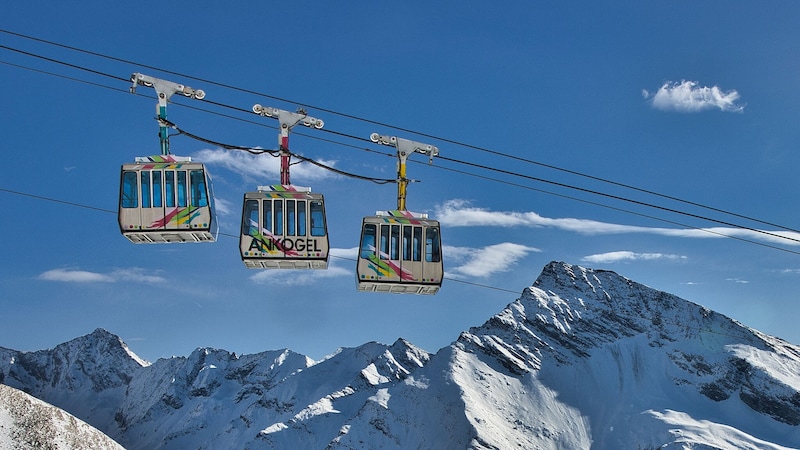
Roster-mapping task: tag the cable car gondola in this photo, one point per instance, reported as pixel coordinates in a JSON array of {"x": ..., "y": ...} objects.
[
  {"x": 166, "y": 198},
  {"x": 284, "y": 226},
  {"x": 400, "y": 251}
]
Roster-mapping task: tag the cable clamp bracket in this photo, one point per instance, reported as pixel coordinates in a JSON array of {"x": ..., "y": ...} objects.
[
  {"x": 405, "y": 146},
  {"x": 165, "y": 89},
  {"x": 288, "y": 119}
]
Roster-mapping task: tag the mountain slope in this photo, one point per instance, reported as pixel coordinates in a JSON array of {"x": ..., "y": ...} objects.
[
  {"x": 583, "y": 359},
  {"x": 26, "y": 422},
  {"x": 620, "y": 365}
]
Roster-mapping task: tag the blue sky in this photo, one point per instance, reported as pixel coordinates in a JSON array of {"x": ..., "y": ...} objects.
[{"x": 693, "y": 101}]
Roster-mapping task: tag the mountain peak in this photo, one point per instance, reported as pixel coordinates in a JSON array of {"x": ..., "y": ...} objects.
[
  {"x": 109, "y": 342},
  {"x": 623, "y": 339}
]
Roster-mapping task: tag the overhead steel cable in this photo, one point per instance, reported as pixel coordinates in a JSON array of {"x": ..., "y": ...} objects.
[
  {"x": 45, "y": 72},
  {"x": 407, "y": 130},
  {"x": 620, "y": 198},
  {"x": 63, "y": 202},
  {"x": 449, "y": 279},
  {"x": 56, "y": 61},
  {"x": 275, "y": 153},
  {"x": 641, "y": 203},
  {"x": 542, "y": 180},
  {"x": 705, "y": 230},
  {"x": 627, "y": 211},
  {"x": 78, "y": 205}
]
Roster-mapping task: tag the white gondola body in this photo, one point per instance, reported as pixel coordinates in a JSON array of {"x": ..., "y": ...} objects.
[
  {"x": 166, "y": 199},
  {"x": 284, "y": 227},
  {"x": 400, "y": 252}
]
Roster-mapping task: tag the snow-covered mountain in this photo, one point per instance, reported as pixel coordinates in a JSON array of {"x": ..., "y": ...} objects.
[
  {"x": 583, "y": 359},
  {"x": 29, "y": 423}
]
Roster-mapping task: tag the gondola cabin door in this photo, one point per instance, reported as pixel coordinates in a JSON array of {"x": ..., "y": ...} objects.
[
  {"x": 284, "y": 227},
  {"x": 400, "y": 252}
]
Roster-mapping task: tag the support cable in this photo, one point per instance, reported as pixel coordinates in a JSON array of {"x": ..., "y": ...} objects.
[
  {"x": 373, "y": 122},
  {"x": 590, "y": 191}
]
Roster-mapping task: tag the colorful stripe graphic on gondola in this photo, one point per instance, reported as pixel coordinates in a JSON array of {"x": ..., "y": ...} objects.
[
  {"x": 286, "y": 191},
  {"x": 402, "y": 217},
  {"x": 386, "y": 267},
  {"x": 266, "y": 242},
  {"x": 177, "y": 216},
  {"x": 161, "y": 162}
]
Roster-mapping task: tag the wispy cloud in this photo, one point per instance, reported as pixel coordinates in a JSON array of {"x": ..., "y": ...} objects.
[
  {"x": 689, "y": 96},
  {"x": 224, "y": 207},
  {"x": 737, "y": 280},
  {"x": 486, "y": 261},
  {"x": 260, "y": 167},
  {"x": 134, "y": 274},
  {"x": 336, "y": 268},
  {"x": 459, "y": 213},
  {"x": 75, "y": 276},
  {"x": 613, "y": 257},
  {"x": 460, "y": 262}
]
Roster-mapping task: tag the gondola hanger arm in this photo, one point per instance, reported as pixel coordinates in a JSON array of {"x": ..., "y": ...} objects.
[
  {"x": 164, "y": 89},
  {"x": 405, "y": 146},
  {"x": 288, "y": 119}
]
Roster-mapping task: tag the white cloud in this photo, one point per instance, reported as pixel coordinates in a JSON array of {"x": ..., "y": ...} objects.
[
  {"x": 688, "y": 96},
  {"x": 300, "y": 277},
  {"x": 459, "y": 213},
  {"x": 263, "y": 168},
  {"x": 134, "y": 274},
  {"x": 612, "y": 257},
  {"x": 737, "y": 280},
  {"x": 224, "y": 207},
  {"x": 307, "y": 277},
  {"x": 486, "y": 261},
  {"x": 344, "y": 253},
  {"x": 75, "y": 276}
]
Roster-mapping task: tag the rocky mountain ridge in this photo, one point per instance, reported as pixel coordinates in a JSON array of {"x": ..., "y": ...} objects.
[{"x": 583, "y": 359}]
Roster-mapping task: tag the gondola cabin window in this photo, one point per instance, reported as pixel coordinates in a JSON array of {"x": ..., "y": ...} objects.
[
  {"x": 272, "y": 217},
  {"x": 169, "y": 186},
  {"x": 368, "y": 241},
  {"x": 145, "y": 189},
  {"x": 198, "y": 185},
  {"x": 278, "y": 217},
  {"x": 130, "y": 190},
  {"x": 163, "y": 188},
  {"x": 250, "y": 218},
  {"x": 291, "y": 218},
  {"x": 317, "y": 218},
  {"x": 157, "y": 189},
  {"x": 182, "y": 189},
  {"x": 433, "y": 250},
  {"x": 401, "y": 242}
]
